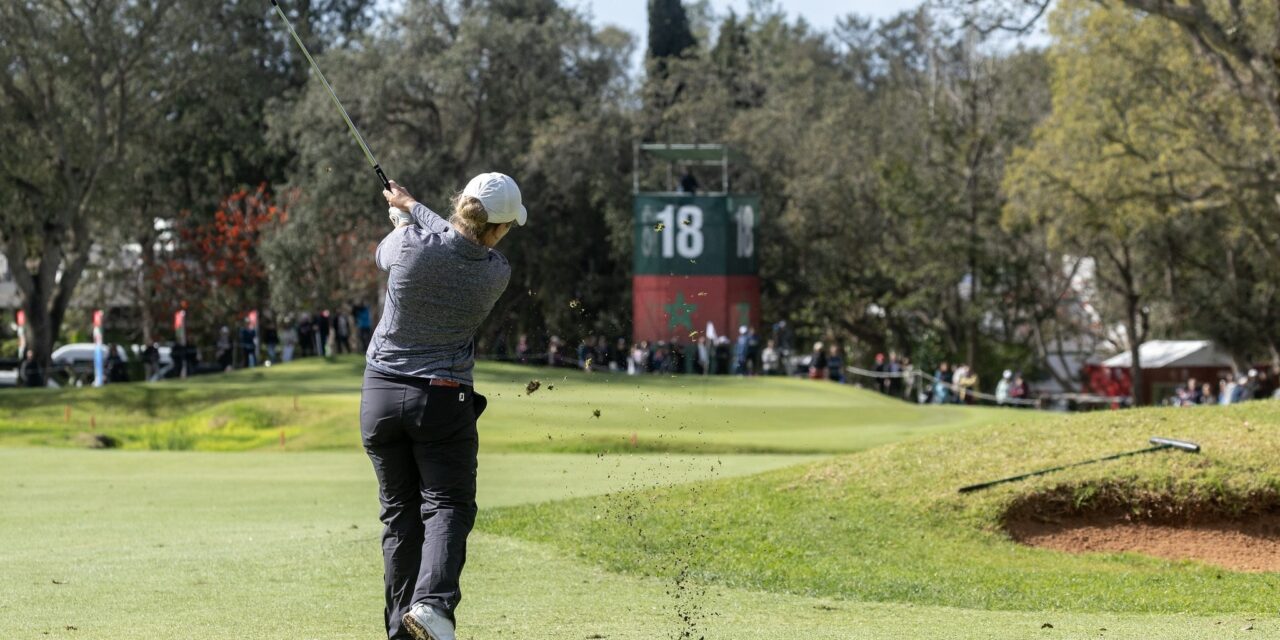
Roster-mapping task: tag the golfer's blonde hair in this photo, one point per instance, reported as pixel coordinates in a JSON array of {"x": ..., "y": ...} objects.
[{"x": 469, "y": 216}]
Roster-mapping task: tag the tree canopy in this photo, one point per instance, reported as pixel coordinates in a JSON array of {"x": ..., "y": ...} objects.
[{"x": 924, "y": 189}]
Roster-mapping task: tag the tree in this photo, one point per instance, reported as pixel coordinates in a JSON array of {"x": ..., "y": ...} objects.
[
  {"x": 1087, "y": 176},
  {"x": 82, "y": 80},
  {"x": 669, "y": 33},
  {"x": 215, "y": 270},
  {"x": 529, "y": 89}
]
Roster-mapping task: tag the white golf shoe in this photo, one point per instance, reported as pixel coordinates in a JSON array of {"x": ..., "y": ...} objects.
[{"x": 426, "y": 622}]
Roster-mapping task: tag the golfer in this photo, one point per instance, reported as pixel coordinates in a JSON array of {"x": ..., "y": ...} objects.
[{"x": 418, "y": 409}]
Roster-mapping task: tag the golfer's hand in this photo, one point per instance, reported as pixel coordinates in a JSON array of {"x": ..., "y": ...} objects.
[
  {"x": 399, "y": 218},
  {"x": 399, "y": 197}
]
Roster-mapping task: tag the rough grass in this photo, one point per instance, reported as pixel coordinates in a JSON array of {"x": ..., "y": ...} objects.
[
  {"x": 888, "y": 525},
  {"x": 315, "y": 405}
]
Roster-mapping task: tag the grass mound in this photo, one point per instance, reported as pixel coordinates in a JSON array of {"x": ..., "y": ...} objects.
[
  {"x": 315, "y": 403},
  {"x": 888, "y": 525}
]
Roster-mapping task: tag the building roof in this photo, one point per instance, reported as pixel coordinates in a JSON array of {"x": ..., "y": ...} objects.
[
  {"x": 711, "y": 154},
  {"x": 1163, "y": 354}
]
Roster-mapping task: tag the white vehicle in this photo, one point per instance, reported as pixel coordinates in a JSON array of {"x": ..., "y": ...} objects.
[
  {"x": 73, "y": 363},
  {"x": 81, "y": 352}
]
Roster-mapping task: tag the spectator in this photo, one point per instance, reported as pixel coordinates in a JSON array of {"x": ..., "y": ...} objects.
[
  {"x": 288, "y": 339},
  {"x": 306, "y": 334},
  {"x": 604, "y": 354},
  {"x": 553, "y": 351},
  {"x": 249, "y": 344},
  {"x": 1266, "y": 385},
  {"x": 723, "y": 355},
  {"x": 586, "y": 354},
  {"x": 151, "y": 361},
  {"x": 619, "y": 356},
  {"x": 818, "y": 362},
  {"x": 1226, "y": 388},
  {"x": 835, "y": 364},
  {"x": 688, "y": 183},
  {"x": 676, "y": 361},
  {"x": 702, "y": 361},
  {"x": 782, "y": 338},
  {"x": 1193, "y": 394},
  {"x": 967, "y": 379},
  {"x": 192, "y": 359},
  {"x": 942, "y": 384},
  {"x": 1018, "y": 391},
  {"x": 770, "y": 359},
  {"x": 1002, "y": 387},
  {"x": 639, "y": 358},
  {"x": 1240, "y": 391},
  {"x": 223, "y": 348},
  {"x": 1207, "y": 396},
  {"x": 742, "y": 352},
  {"x": 522, "y": 349},
  {"x": 893, "y": 383},
  {"x": 116, "y": 371},
  {"x": 658, "y": 359},
  {"x": 909, "y": 381},
  {"x": 31, "y": 375},
  {"x": 322, "y": 333},
  {"x": 364, "y": 324},
  {"x": 753, "y": 352},
  {"x": 341, "y": 333},
  {"x": 271, "y": 338},
  {"x": 880, "y": 367}
]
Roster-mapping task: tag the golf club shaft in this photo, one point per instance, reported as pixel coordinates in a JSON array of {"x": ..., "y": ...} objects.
[
  {"x": 373, "y": 162},
  {"x": 984, "y": 485}
]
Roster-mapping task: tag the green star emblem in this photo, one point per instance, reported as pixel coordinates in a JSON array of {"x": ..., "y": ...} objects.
[{"x": 680, "y": 313}]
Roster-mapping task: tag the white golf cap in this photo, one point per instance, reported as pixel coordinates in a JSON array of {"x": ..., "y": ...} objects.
[{"x": 500, "y": 197}]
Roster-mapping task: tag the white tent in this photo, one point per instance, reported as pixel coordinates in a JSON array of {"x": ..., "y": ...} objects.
[{"x": 1162, "y": 354}]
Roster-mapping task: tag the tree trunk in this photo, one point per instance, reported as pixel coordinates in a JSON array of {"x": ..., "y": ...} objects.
[
  {"x": 1135, "y": 359},
  {"x": 143, "y": 292}
]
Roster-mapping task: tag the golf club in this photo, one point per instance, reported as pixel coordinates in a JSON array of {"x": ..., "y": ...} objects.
[
  {"x": 1158, "y": 444},
  {"x": 386, "y": 184}
]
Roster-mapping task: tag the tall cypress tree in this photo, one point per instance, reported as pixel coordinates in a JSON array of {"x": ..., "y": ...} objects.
[{"x": 669, "y": 34}]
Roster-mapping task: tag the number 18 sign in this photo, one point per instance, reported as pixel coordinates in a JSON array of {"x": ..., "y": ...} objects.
[{"x": 694, "y": 264}]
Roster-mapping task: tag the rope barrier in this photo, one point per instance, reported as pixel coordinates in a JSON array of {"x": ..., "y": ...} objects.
[{"x": 964, "y": 392}]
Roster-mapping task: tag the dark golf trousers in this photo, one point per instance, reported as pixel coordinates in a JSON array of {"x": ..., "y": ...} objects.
[{"x": 422, "y": 441}]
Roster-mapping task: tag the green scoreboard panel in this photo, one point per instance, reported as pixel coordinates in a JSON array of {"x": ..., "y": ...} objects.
[{"x": 695, "y": 235}]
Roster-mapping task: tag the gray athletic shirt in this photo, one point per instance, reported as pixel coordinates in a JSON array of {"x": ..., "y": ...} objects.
[{"x": 440, "y": 287}]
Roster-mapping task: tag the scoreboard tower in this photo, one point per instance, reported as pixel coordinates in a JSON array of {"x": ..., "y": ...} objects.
[{"x": 694, "y": 253}]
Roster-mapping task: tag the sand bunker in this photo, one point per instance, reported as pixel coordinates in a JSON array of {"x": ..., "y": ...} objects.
[{"x": 1249, "y": 544}]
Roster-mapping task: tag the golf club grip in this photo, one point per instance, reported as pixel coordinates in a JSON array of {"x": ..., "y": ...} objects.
[
  {"x": 1177, "y": 444},
  {"x": 386, "y": 184}
]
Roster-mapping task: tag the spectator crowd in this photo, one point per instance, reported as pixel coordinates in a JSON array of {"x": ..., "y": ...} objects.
[{"x": 1256, "y": 384}]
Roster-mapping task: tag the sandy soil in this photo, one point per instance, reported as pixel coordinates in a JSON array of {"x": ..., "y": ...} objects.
[{"x": 1249, "y": 545}]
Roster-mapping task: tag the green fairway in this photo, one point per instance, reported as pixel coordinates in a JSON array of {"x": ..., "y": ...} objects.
[
  {"x": 262, "y": 546},
  {"x": 692, "y": 530},
  {"x": 251, "y": 409}
]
